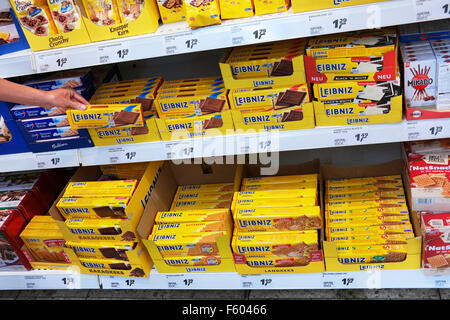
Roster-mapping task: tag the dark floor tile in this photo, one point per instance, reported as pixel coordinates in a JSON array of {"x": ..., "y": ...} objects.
[
  {"x": 390, "y": 294},
  {"x": 293, "y": 294},
  {"x": 168, "y": 294}
]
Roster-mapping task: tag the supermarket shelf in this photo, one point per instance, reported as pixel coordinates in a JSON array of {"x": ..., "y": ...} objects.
[
  {"x": 249, "y": 143},
  {"x": 374, "y": 279},
  {"x": 178, "y": 38},
  {"x": 18, "y": 278},
  {"x": 232, "y": 144}
]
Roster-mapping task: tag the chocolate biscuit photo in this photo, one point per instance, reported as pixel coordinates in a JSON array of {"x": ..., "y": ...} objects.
[
  {"x": 282, "y": 68},
  {"x": 290, "y": 98},
  {"x": 112, "y": 253},
  {"x": 135, "y": 131},
  {"x": 293, "y": 115},
  {"x": 211, "y": 105},
  {"x": 213, "y": 123},
  {"x": 138, "y": 272},
  {"x": 120, "y": 266},
  {"x": 169, "y": 4},
  {"x": 104, "y": 212},
  {"x": 124, "y": 117},
  {"x": 196, "y": 3},
  {"x": 111, "y": 231},
  {"x": 146, "y": 103},
  {"x": 128, "y": 236}
]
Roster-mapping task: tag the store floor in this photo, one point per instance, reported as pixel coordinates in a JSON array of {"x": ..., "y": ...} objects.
[{"x": 373, "y": 294}]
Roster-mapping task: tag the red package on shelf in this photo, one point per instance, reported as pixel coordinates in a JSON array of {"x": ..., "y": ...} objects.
[
  {"x": 11, "y": 225},
  {"x": 436, "y": 240}
]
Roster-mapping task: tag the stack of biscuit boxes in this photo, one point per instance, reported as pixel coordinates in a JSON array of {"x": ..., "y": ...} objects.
[
  {"x": 189, "y": 108},
  {"x": 188, "y": 234},
  {"x": 267, "y": 84},
  {"x": 354, "y": 75},
  {"x": 93, "y": 211},
  {"x": 276, "y": 223},
  {"x": 429, "y": 174},
  {"x": 139, "y": 91},
  {"x": 368, "y": 219}
]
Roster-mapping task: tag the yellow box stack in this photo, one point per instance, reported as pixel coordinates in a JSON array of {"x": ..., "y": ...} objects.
[
  {"x": 355, "y": 77},
  {"x": 190, "y": 108},
  {"x": 189, "y": 234},
  {"x": 276, "y": 225},
  {"x": 94, "y": 217},
  {"x": 368, "y": 219},
  {"x": 267, "y": 86},
  {"x": 139, "y": 91}
]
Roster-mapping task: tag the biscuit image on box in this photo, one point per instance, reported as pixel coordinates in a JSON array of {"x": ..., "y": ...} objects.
[
  {"x": 211, "y": 105},
  {"x": 212, "y": 123},
  {"x": 123, "y": 118},
  {"x": 282, "y": 68},
  {"x": 424, "y": 180},
  {"x": 289, "y": 98}
]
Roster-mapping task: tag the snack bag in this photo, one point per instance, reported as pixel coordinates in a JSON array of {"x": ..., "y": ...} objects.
[
  {"x": 233, "y": 9},
  {"x": 200, "y": 13},
  {"x": 270, "y": 6},
  {"x": 65, "y": 15},
  {"x": 130, "y": 10},
  {"x": 102, "y": 12},
  {"x": 34, "y": 15},
  {"x": 172, "y": 10}
]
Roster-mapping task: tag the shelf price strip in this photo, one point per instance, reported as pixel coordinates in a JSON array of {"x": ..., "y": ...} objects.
[
  {"x": 54, "y": 61},
  {"x": 359, "y": 135},
  {"x": 116, "y": 52}
]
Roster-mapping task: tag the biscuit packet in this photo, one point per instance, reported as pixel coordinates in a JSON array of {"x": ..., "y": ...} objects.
[
  {"x": 270, "y": 6},
  {"x": 200, "y": 13},
  {"x": 130, "y": 10},
  {"x": 233, "y": 9},
  {"x": 102, "y": 12},
  {"x": 65, "y": 15},
  {"x": 172, "y": 10},
  {"x": 35, "y": 16}
]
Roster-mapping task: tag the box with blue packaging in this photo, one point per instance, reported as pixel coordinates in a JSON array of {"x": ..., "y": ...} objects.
[
  {"x": 11, "y": 139},
  {"x": 55, "y": 139},
  {"x": 79, "y": 79},
  {"x": 12, "y": 38},
  {"x": 46, "y": 122}
]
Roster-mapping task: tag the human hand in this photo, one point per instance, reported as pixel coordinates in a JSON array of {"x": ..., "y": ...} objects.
[{"x": 64, "y": 98}]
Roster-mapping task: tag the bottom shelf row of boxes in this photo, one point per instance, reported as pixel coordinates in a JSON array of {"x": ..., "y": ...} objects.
[{"x": 183, "y": 218}]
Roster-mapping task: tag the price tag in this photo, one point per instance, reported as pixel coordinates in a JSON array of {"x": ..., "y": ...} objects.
[
  {"x": 351, "y": 136},
  {"x": 179, "y": 43},
  {"x": 180, "y": 281},
  {"x": 326, "y": 22},
  {"x": 257, "y": 281},
  {"x": 179, "y": 150},
  {"x": 35, "y": 282},
  {"x": 54, "y": 61},
  {"x": 254, "y": 144},
  {"x": 250, "y": 33},
  {"x": 120, "y": 155},
  {"x": 339, "y": 280},
  {"x": 417, "y": 130},
  {"x": 432, "y": 9},
  {"x": 55, "y": 159},
  {"x": 115, "y": 52}
]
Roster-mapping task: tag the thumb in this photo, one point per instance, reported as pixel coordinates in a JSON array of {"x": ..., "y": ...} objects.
[{"x": 75, "y": 105}]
